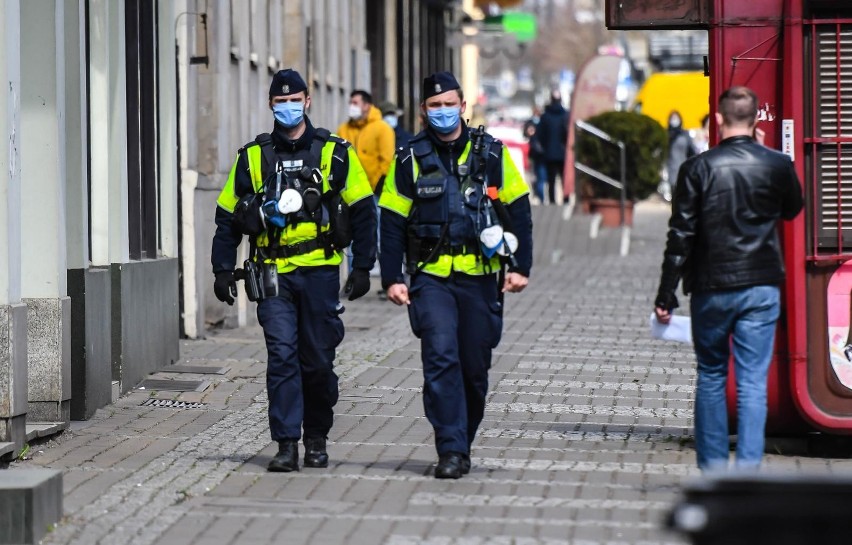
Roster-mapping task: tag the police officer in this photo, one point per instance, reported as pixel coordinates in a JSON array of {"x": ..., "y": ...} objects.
[
  {"x": 296, "y": 184},
  {"x": 452, "y": 203}
]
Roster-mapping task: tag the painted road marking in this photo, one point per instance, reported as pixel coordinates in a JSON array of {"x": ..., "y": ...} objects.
[
  {"x": 482, "y": 500},
  {"x": 594, "y": 385},
  {"x": 559, "y": 408}
]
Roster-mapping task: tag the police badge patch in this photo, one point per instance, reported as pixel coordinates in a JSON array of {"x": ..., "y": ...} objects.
[
  {"x": 285, "y": 89},
  {"x": 437, "y": 87}
]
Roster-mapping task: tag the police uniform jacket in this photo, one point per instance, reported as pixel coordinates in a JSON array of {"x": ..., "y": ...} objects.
[
  {"x": 398, "y": 199},
  {"x": 340, "y": 167}
]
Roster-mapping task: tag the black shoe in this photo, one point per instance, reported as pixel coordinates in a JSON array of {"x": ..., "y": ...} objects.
[
  {"x": 465, "y": 464},
  {"x": 315, "y": 454},
  {"x": 449, "y": 466},
  {"x": 287, "y": 459}
]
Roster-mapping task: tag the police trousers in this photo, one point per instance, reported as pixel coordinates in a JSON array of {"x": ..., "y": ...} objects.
[
  {"x": 458, "y": 320},
  {"x": 302, "y": 329}
]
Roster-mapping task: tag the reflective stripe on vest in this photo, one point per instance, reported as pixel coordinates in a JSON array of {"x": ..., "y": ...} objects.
[
  {"x": 468, "y": 263},
  {"x": 300, "y": 232}
]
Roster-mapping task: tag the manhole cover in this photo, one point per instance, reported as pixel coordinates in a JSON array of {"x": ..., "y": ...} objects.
[
  {"x": 174, "y": 385},
  {"x": 171, "y": 404}
]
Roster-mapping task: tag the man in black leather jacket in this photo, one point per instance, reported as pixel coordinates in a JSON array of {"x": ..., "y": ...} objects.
[{"x": 723, "y": 243}]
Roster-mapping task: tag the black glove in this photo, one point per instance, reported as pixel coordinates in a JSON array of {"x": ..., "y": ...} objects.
[
  {"x": 358, "y": 284},
  {"x": 666, "y": 300},
  {"x": 225, "y": 287}
]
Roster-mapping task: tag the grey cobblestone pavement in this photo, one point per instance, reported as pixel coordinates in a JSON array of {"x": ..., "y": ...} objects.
[{"x": 586, "y": 438}]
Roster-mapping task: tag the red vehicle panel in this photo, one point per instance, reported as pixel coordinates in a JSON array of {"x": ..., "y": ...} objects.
[{"x": 797, "y": 56}]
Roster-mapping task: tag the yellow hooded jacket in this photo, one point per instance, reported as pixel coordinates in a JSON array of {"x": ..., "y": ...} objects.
[{"x": 374, "y": 141}]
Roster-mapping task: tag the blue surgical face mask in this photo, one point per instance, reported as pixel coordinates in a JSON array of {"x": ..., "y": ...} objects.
[
  {"x": 391, "y": 120},
  {"x": 289, "y": 114},
  {"x": 444, "y": 120}
]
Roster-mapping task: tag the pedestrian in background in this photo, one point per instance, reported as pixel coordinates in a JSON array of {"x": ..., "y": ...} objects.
[
  {"x": 391, "y": 115},
  {"x": 536, "y": 154},
  {"x": 437, "y": 192},
  {"x": 374, "y": 140},
  {"x": 723, "y": 243},
  {"x": 299, "y": 257},
  {"x": 375, "y": 143},
  {"x": 702, "y": 140},
  {"x": 552, "y": 132},
  {"x": 681, "y": 147}
]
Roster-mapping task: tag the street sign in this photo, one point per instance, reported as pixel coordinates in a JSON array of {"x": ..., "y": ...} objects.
[{"x": 522, "y": 25}]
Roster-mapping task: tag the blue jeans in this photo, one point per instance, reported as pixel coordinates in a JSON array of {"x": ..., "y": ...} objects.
[
  {"x": 540, "y": 180},
  {"x": 749, "y": 316}
]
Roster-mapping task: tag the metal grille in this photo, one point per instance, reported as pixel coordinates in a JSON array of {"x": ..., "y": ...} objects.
[
  {"x": 831, "y": 140},
  {"x": 171, "y": 404},
  {"x": 835, "y": 176}
]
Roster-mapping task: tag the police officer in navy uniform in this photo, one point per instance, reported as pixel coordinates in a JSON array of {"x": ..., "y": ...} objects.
[
  {"x": 453, "y": 206},
  {"x": 285, "y": 191}
]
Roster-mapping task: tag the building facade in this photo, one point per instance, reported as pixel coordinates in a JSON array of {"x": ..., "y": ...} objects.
[
  {"x": 88, "y": 238},
  {"x": 384, "y": 46},
  {"x": 118, "y": 145},
  {"x": 409, "y": 40}
]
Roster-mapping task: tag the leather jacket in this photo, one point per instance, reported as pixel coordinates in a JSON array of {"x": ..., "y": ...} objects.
[{"x": 722, "y": 232}]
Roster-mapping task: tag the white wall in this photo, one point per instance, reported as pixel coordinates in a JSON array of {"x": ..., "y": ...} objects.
[
  {"x": 10, "y": 158},
  {"x": 76, "y": 136},
  {"x": 43, "y": 150},
  {"x": 107, "y": 93},
  {"x": 167, "y": 129}
]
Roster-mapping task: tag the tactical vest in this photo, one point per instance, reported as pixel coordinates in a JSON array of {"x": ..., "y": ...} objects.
[
  {"x": 308, "y": 171},
  {"x": 448, "y": 207}
]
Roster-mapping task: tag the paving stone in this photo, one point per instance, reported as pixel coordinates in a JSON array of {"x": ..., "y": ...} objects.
[{"x": 586, "y": 437}]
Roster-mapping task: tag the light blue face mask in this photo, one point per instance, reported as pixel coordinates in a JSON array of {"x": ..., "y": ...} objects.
[
  {"x": 444, "y": 120},
  {"x": 391, "y": 120},
  {"x": 289, "y": 114}
]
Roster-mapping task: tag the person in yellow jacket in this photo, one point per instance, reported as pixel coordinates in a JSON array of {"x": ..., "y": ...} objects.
[
  {"x": 290, "y": 191},
  {"x": 374, "y": 140}
]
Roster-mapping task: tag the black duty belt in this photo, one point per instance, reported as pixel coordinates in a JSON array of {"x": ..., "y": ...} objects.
[
  {"x": 291, "y": 250},
  {"x": 458, "y": 250},
  {"x": 446, "y": 249}
]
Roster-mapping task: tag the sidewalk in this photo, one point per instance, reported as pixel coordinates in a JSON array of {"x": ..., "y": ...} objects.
[{"x": 585, "y": 440}]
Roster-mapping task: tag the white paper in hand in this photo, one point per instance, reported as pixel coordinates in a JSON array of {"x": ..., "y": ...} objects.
[{"x": 678, "y": 329}]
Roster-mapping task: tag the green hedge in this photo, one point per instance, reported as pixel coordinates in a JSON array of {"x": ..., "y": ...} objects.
[{"x": 647, "y": 145}]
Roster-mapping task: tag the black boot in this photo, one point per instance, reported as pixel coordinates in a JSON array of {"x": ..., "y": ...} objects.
[
  {"x": 465, "y": 465},
  {"x": 315, "y": 454},
  {"x": 287, "y": 459},
  {"x": 449, "y": 466}
]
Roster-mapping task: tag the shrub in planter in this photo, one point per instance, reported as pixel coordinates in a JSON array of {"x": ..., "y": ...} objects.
[{"x": 646, "y": 142}]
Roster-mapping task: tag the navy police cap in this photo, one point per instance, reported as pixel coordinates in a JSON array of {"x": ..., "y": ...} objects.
[
  {"x": 439, "y": 82},
  {"x": 286, "y": 82}
]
